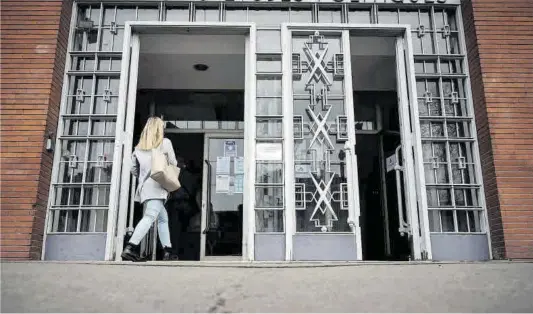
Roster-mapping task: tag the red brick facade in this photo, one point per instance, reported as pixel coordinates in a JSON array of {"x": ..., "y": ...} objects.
[
  {"x": 500, "y": 42},
  {"x": 34, "y": 39},
  {"x": 500, "y": 45}
]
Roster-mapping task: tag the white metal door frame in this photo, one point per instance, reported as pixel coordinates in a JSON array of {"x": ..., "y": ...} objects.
[
  {"x": 205, "y": 182},
  {"x": 119, "y": 193},
  {"x": 413, "y": 175}
]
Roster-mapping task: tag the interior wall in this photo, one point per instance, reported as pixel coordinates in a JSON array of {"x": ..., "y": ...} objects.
[{"x": 166, "y": 62}]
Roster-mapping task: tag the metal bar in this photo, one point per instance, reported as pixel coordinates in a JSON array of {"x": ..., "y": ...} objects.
[
  {"x": 351, "y": 161},
  {"x": 128, "y": 119},
  {"x": 60, "y": 128},
  {"x": 419, "y": 172},
  {"x": 384, "y": 200},
  {"x": 117, "y": 155},
  {"x": 288, "y": 130}
]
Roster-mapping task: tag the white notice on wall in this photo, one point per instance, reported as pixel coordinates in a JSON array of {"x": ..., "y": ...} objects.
[
  {"x": 238, "y": 165},
  {"x": 230, "y": 148},
  {"x": 223, "y": 165},
  {"x": 239, "y": 184},
  {"x": 269, "y": 151},
  {"x": 222, "y": 184}
]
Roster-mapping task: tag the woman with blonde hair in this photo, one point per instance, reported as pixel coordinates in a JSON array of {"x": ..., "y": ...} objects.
[{"x": 149, "y": 192}]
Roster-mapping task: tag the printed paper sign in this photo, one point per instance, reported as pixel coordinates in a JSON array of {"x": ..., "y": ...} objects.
[
  {"x": 269, "y": 151},
  {"x": 239, "y": 184},
  {"x": 230, "y": 148},
  {"x": 223, "y": 165},
  {"x": 238, "y": 165},
  {"x": 222, "y": 184}
]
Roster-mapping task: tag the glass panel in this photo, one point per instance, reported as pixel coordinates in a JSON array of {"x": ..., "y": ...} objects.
[
  {"x": 65, "y": 196},
  {"x": 268, "y": 17},
  {"x": 99, "y": 172},
  {"x": 474, "y": 221},
  {"x": 90, "y": 13},
  {"x": 319, "y": 150},
  {"x": 148, "y": 14},
  {"x": 112, "y": 39},
  {"x": 96, "y": 196},
  {"x": 388, "y": 17},
  {"x": 103, "y": 127},
  {"x": 236, "y": 14},
  {"x": 269, "y": 197},
  {"x": 93, "y": 221},
  {"x": 269, "y": 106},
  {"x": 59, "y": 220},
  {"x": 125, "y": 14},
  {"x": 101, "y": 149},
  {"x": 268, "y": 64},
  {"x": 462, "y": 223},
  {"x": 268, "y": 41},
  {"x": 269, "y": 220},
  {"x": 269, "y": 87},
  {"x": 207, "y": 14},
  {"x": 72, "y": 221},
  {"x": 359, "y": 16},
  {"x": 434, "y": 221},
  {"x": 82, "y": 63},
  {"x": 447, "y": 221},
  {"x": 101, "y": 106},
  {"x": 76, "y": 127},
  {"x": 269, "y": 128},
  {"x": 269, "y": 173},
  {"x": 300, "y": 15},
  {"x": 178, "y": 14},
  {"x": 329, "y": 15}
]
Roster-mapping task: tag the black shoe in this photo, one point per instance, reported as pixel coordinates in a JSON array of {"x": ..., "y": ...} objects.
[
  {"x": 130, "y": 253},
  {"x": 169, "y": 255}
]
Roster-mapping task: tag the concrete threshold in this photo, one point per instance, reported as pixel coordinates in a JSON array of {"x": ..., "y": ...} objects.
[{"x": 258, "y": 264}]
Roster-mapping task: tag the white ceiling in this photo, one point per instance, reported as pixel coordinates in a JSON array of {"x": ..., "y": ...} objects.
[{"x": 166, "y": 62}]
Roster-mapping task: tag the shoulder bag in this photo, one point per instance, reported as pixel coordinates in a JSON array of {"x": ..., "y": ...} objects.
[{"x": 164, "y": 173}]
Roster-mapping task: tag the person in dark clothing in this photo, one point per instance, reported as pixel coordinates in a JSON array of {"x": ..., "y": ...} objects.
[{"x": 182, "y": 205}]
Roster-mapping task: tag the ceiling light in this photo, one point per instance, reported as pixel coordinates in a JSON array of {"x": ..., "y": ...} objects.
[{"x": 200, "y": 67}]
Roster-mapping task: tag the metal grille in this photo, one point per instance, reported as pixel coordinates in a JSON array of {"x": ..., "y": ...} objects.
[{"x": 81, "y": 181}]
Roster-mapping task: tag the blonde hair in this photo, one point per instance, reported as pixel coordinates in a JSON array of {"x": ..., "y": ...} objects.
[{"x": 152, "y": 134}]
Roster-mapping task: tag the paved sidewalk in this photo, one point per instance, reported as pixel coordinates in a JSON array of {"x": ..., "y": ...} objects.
[{"x": 71, "y": 287}]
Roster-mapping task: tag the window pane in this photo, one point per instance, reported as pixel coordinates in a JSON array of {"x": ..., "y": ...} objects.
[
  {"x": 178, "y": 14},
  {"x": 270, "y": 87},
  {"x": 236, "y": 14},
  {"x": 269, "y": 173},
  {"x": 268, "y": 17},
  {"x": 268, "y": 41},
  {"x": 269, "y": 106},
  {"x": 269, "y": 197},
  {"x": 269, "y": 128},
  {"x": 207, "y": 15},
  {"x": 269, "y": 220}
]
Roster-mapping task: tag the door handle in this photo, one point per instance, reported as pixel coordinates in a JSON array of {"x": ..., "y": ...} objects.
[{"x": 403, "y": 227}]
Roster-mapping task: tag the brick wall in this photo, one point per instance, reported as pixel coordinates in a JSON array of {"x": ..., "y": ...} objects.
[
  {"x": 34, "y": 37},
  {"x": 500, "y": 42}
]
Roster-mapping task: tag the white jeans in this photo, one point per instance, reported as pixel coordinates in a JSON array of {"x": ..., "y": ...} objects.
[{"x": 153, "y": 209}]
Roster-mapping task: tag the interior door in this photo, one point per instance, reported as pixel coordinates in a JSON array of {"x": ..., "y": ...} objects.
[
  {"x": 326, "y": 215},
  {"x": 222, "y": 196}
]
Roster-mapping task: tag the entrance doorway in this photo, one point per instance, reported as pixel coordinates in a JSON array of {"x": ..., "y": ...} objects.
[
  {"x": 377, "y": 128},
  {"x": 196, "y": 84}
]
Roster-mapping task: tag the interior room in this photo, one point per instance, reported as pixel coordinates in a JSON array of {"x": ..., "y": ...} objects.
[
  {"x": 196, "y": 84},
  {"x": 377, "y": 136}
]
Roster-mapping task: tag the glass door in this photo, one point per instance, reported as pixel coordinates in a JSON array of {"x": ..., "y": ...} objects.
[{"x": 326, "y": 200}]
